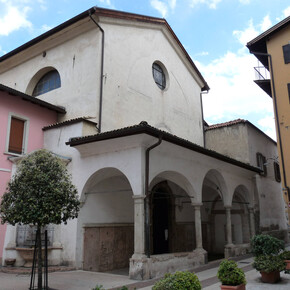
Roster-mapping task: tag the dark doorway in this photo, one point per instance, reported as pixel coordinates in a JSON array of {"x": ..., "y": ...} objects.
[{"x": 161, "y": 204}]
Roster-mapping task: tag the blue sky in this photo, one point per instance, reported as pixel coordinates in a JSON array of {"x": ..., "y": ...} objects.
[{"x": 214, "y": 33}]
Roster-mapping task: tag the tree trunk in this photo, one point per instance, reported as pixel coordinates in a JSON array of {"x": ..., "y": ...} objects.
[{"x": 38, "y": 234}]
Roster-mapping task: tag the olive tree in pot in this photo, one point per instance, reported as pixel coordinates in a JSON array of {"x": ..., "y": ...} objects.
[
  {"x": 231, "y": 276},
  {"x": 268, "y": 262}
]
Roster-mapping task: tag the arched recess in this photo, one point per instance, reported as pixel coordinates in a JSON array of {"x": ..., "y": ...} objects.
[
  {"x": 240, "y": 215},
  {"x": 172, "y": 215},
  {"x": 214, "y": 194},
  {"x": 106, "y": 221},
  {"x": 36, "y": 78}
]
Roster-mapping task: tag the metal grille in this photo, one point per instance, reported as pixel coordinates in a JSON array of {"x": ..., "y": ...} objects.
[
  {"x": 26, "y": 235},
  {"x": 159, "y": 76}
]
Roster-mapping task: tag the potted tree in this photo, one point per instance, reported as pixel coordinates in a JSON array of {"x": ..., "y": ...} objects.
[
  {"x": 268, "y": 260},
  {"x": 231, "y": 276}
]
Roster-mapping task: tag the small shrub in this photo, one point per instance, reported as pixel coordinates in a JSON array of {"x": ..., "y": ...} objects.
[
  {"x": 268, "y": 263},
  {"x": 178, "y": 281},
  {"x": 230, "y": 274},
  {"x": 124, "y": 288},
  {"x": 266, "y": 245}
]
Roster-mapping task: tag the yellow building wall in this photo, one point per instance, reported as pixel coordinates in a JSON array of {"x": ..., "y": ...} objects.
[{"x": 281, "y": 74}]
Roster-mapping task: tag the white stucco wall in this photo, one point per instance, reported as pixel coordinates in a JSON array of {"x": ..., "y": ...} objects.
[{"x": 130, "y": 94}]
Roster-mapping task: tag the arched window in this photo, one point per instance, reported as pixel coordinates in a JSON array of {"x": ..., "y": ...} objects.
[
  {"x": 47, "y": 83},
  {"x": 159, "y": 75}
]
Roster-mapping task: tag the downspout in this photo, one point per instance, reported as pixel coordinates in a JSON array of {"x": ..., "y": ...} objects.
[
  {"x": 102, "y": 72},
  {"x": 202, "y": 116},
  {"x": 147, "y": 197},
  {"x": 277, "y": 117}
]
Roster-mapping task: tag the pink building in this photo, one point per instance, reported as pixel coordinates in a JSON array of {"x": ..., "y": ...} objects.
[{"x": 22, "y": 118}]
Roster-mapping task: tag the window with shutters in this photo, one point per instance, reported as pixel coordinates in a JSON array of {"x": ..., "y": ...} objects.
[
  {"x": 17, "y": 133},
  {"x": 261, "y": 163}
]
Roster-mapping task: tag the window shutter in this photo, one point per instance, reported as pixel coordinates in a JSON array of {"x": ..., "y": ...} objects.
[{"x": 16, "y": 136}]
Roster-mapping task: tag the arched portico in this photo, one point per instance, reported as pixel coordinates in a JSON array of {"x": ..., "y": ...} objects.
[{"x": 106, "y": 221}]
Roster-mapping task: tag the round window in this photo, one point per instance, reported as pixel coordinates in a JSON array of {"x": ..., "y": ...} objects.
[{"x": 159, "y": 75}]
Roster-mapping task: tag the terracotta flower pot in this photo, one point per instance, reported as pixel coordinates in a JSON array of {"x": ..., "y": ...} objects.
[
  {"x": 238, "y": 287},
  {"x": 272, "y": 277},
  {"x": 287, "y": 264}
]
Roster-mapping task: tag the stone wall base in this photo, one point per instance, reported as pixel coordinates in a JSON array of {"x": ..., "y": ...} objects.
[
  {"x": 144, "y": 268},
  {"x": 237, "y": 250}
]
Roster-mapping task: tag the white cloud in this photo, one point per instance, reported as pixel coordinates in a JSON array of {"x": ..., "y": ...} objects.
[
  {"x": 266, "y": 23},
  {"x": 107, "y": 3},
  {"x": 212, "y": 4},
  {"x": 286, "y": 12},
  {"x": 203, "y": 53},
  {"x": 161, "y": 7},
  {"x": 13, "y": 18},
  {"x": 268, "y": 125},
  {"x": 233, "y": 93},
  {"x": 45, "y": 28},
  {"x": 246, "y": 35}
]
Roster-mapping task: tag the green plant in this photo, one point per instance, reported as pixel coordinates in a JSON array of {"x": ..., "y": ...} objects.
[
  {"x": 178, "y": 281},
  {"x": 230, "y": 274},
  {"x": 285, "y": 255},
  {"x": 98, "y": 287},
  {"x": 266, "y": 245},
  {"x": 268, "y": 263},
  {"x": 123, "y": 288}
]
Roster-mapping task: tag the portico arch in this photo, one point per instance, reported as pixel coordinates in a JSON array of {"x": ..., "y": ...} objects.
[
  {"x": 172, "y": 214},
  {"x": 214, "y": 195},
  {"x": 106, "y": 221}
]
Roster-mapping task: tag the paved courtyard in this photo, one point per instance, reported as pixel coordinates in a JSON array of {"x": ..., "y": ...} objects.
[{"x": 83, "y": 280}]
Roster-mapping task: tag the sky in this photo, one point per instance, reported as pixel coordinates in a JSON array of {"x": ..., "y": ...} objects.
[{"x": 214, "y": 33}]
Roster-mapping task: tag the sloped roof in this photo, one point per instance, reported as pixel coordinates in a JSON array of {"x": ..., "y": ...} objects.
[
  {"x": 33, "y": 100},
  {"x": 258, "y": 44},
  {"x": 145, "y": 128},
  {"x": 68, "y": 122},
  {"x": 235, "y": 122},
  {"x": 112, "y": 14}
]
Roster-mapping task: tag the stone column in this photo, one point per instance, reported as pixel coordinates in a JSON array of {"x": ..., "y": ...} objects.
[
  {"x": 139, "y": 227},
  {"x": 252, "y": 221},
  {"x": 197, "y": 222},
  {"x": 229, "y": 226}
]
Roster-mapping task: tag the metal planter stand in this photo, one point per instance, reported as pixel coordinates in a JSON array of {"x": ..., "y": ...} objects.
[{"x": 44, "y": 266}]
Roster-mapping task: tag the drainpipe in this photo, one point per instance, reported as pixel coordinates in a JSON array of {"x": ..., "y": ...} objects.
[
  {"x": 202, "y": 117},
  {"x": 147, "y": 199},
  {"x": 102, "y": 71},
  {"x": 277, "y": 116}
]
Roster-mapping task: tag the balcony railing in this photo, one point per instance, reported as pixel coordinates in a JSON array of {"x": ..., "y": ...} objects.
[{"x": 261, "y": 73}]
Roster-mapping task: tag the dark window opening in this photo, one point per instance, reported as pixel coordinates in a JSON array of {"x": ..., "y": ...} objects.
[
  {"x": 261, "y": 163},
  {"x": 47, "y": 83},
  {"x": 277, "y": 171},
  {"x": 159, "y": 76},
  {"x": 16, "y": 136},
  {"x": 286, "y": 53},
  {"x": 288, "y": 85}
]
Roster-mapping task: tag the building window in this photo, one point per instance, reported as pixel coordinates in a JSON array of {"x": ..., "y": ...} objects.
[
  {"x": 286, "y": 53},
  {"x": 17, "y": 133},
  {"x": 50, "y": 81},
  {"x": 261, "y": 163},
  {"x": 277, "y": 171},
  {"x": 159, "y": 76},
  {"x": 288, "y": 86}
]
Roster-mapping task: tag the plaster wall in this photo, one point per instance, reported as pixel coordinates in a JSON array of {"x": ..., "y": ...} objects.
[
  {"x": 270, "y": 191},
  {"x": 281, "y": 77},
  {"x": 37, "y": 117},
  {"x": 130, "y": 94}
]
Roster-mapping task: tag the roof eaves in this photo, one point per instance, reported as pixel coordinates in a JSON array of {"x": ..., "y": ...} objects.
[
  {"x": 31, "y": 99},
  {"x": 68, "y": 122},
  {"x": 144, "y": 128}
]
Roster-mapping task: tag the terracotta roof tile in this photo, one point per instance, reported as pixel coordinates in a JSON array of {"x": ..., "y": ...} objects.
[{"x": 68, "y": 122}]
